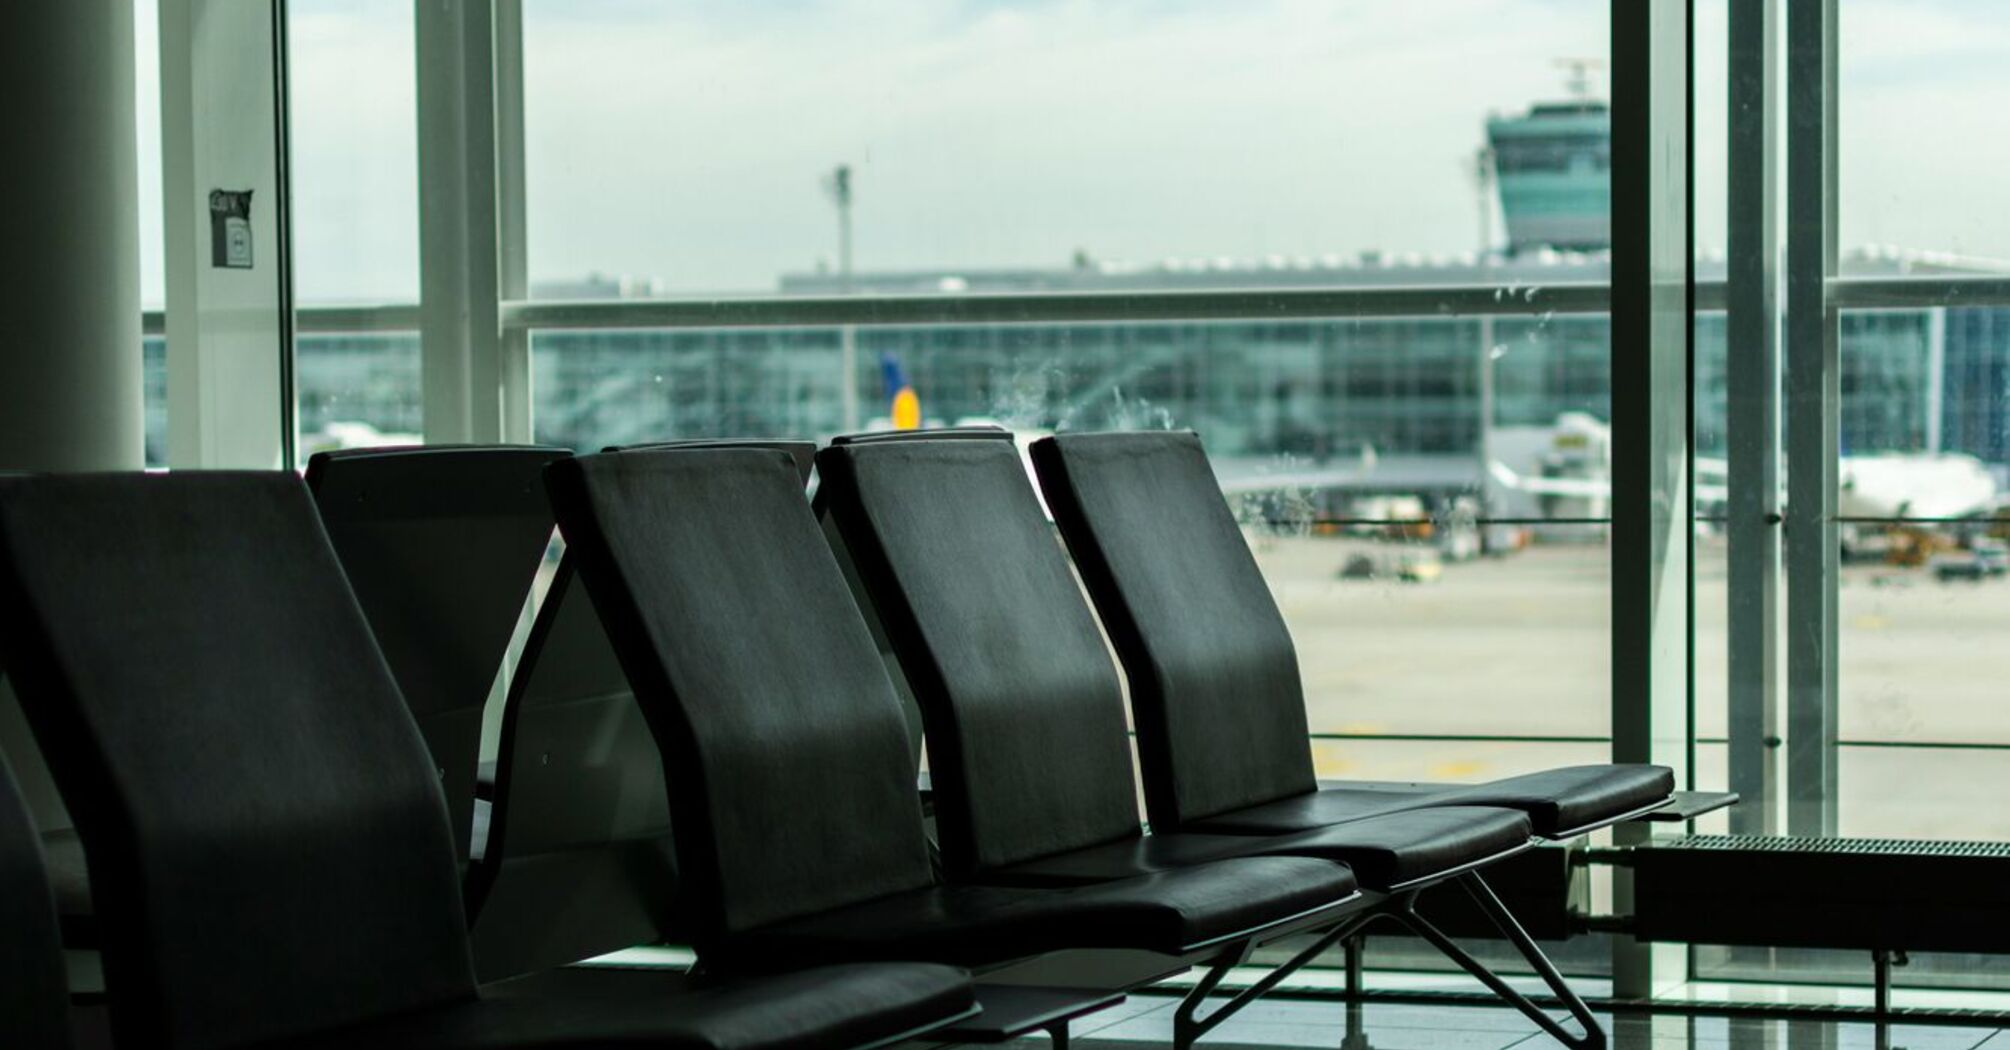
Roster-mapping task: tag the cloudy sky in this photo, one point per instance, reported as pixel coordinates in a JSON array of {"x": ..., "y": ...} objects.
[{"x": 685, "y": 141}]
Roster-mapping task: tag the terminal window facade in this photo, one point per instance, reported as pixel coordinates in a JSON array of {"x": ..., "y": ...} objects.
[
  {"x": 1440, "y": 470},
  {"x": 1144, "y": 176},
  {"x": 1420, "y": 400}
]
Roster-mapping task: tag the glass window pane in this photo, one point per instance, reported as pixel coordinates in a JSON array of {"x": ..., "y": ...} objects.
[
  {"x": 1411, "y": 630},
  {"x": 1923, "y": 610},
  {"x": 687, "y": 147},
  {"x": 359, "y": 389},
  {"x": 355, "y": 218},
  {"x": 1375, "y": 608},
  {"x": 153, "y": 273},
  {"x": 1399, "y": 396},
  {"x": 1922, "y": 93},
  {"x": 1437, "y": 760},
  {"x": 355, "y": 151},
  {"x": 1127, "y": 163},
  {"x": 1925, "y": 422},
  {"x": 1925, "y": 793}
]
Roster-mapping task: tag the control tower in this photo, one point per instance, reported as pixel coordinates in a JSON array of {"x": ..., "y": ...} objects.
[{"x": 1553, "y": 169}]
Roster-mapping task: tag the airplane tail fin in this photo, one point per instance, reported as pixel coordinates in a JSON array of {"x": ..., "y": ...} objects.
[{"x": 903, "y": 404}]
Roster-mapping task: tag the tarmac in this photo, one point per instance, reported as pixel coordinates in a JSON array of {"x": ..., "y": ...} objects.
[{"x": 1519, "y": 645}]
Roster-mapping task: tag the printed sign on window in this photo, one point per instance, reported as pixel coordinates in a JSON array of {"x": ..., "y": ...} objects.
[{"x": 230, "y": 229}]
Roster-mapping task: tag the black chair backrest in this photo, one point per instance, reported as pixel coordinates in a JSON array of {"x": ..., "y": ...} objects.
[
  {"x": 580, "y": 813},
  {"x": 803, "y": 453},
  {"x": 441, "y": 544},
  {"x": 1025, "y": 713},
  {"x": 1213, "y": 675},
  {"x": 268, "y": 842},
  {"x": 909, "y": 707},
  {"x": 34, "y": 994},
  {"x": 791, "y": 787}
]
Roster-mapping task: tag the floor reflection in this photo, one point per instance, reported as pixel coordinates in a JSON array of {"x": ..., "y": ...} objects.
[{"x": 1146, "y": 1021}]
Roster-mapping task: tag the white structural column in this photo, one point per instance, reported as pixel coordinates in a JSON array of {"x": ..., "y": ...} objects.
[
  {"x": 462, "y": 368},
  {"x": 229, "y": 294},
  {"x": 512, "y": 217},
  {"x": 70, "y": 388}
]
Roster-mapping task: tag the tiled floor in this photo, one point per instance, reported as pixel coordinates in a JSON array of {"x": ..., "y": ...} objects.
[{"x": 1145, "y": 1021}]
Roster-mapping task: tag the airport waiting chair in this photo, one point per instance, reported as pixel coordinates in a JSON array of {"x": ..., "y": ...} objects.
[
  {"x": 580, "y": 860},
  {"x": 1221, "y": 721},
  {"x": 1033, "y": 774},
  {"x": 271, "y": 855},
  {"x": 1025, "y": 712},
  {"x": 34, "y": 993},
  {"x": 441, "y": 544},
  {"x": 799, "y": 834}
]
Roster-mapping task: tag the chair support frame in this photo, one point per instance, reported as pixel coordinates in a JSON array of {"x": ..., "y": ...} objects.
[{"x": 1400, "y": 907}]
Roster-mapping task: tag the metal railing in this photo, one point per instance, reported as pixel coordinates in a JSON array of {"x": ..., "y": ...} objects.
[
  {"x": 1247, "y": 304},
  {"x": 1255, "y": 304}
]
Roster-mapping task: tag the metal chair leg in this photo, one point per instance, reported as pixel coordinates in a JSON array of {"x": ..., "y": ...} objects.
[
  {"x": 1593, "y": 1038},
  {"x": 1189, "y": 1026},
  {"x": 1357, "y": 1033}
]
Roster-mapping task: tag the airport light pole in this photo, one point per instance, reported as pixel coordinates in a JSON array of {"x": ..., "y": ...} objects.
[
  {"x": 1486, "y": 434},
  {"x": 838, "y": 185}
]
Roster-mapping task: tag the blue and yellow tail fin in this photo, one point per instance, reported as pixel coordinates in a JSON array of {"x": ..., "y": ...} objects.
[{"x": 904, "y": 406}]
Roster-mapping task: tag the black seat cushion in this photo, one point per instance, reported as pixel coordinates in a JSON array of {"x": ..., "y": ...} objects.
[
  {"x": 1170, "y": 912},
  {"x": 1212, "y": 671},
  {"x": 1385, "y": 852},
  {"x": 1027, "y": 746},
  {"x": 829, "y": 1007},
  {"x": 1559, "y": 802},
  {"x": 1572, "y": 798},
  {"x": 244, "y": 776},
  {"x": 34, "y": 994},
  {"x": 791, "y": 784}
]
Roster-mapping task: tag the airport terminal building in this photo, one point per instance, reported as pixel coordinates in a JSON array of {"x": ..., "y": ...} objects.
[{"x": 1412, "y": 390}]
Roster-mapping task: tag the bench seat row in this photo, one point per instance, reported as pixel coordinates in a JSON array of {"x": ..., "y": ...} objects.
[{"x": 278, "y": 805}]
